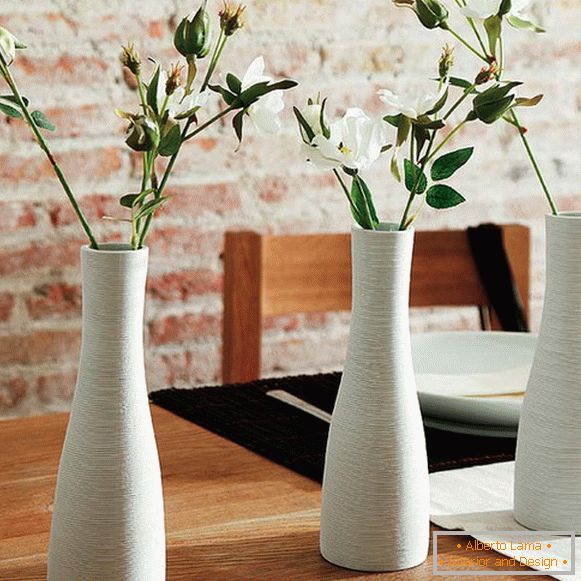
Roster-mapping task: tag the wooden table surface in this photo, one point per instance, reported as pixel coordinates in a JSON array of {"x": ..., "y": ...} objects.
[{"x": 231, "y": 515}]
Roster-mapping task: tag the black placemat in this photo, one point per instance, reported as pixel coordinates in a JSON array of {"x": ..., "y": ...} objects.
[{"x": 246, "y": 415}]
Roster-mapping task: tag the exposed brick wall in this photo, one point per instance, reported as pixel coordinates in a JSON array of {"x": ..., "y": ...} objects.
[{"x": 343, "y": 49}]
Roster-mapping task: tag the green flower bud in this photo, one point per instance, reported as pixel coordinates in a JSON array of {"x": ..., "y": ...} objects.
[
  {"x": 446, "y": 61},
  {"x": 431, "y": 13},
  {"x": 490, "y": 105},
  {"x": 143, "y": 134},
  {"x": 130, "y": 59},
  {"x": 192, "y": 36}
]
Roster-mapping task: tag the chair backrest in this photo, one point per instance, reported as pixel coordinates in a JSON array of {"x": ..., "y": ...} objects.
[{"x": 280, "y": 275}]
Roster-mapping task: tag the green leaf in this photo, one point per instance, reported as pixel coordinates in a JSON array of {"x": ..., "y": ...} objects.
[
  {"x": 403, "y": 131},
  {"x": 324, "y": 127},
  {"x": 394, "y": 168},
  {"x": 41, "y": 120},
  {"x": 170, "y": 143},
  {"x": 427, "y": 123},
  {"x": 10, "y": 111},
  {"x": 524, "y": 24},
  {"x": 14, "y": 99},
  {"x": 415, "y": 179},
  {"x": 493, "y": 27},
  {"x": 303, "y": 124},
  {"x": 393, "y": 120},
  {"x": 440, "y": 103},
  {"x": 505, "y": 7},
  {"x": 152, "y": 90},
  {"x": 441, "y": 197},
  {"x": 128, "y": 200},
  {"x": 448, "y": 164},
  {"x": 229, "y": 98},
  {"x": 150, "y": 207},
  {"x": 253, "y": 93},
  {"x": 362, "y": 199},
  {"x": 458, "y": 82},
  {"x": 238, "y": 123},
  {"x": 421, "y": 135},
  {"x": 131, "y": 200},
  {"x": 234, "y": 83},
  {"x": 528, "y": 101}
]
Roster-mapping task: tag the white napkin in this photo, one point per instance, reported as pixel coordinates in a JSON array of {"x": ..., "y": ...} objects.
[{"x": 480, "y": 499}]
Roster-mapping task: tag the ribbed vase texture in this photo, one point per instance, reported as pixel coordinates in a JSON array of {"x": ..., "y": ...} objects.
[
  {"x": 375, "y": 506},
  {"x": 108, "y": 521},
  {"x": 548, "y": 459}
]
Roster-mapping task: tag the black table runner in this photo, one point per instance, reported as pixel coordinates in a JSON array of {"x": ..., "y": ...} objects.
[{"x": 246, "y": 415}]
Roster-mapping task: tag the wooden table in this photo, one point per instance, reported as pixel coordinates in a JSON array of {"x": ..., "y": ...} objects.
[{"x": 231, "y": 515}]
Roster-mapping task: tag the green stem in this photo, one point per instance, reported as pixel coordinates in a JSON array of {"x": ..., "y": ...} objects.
[
  {"x": 535, "y": 165},
  {"x": 208, "y": 123},
  {"x": 345, "y": 191},
  {"x": 467, "y": 44},
  {"x": 45, "y": 148},
  {"x": 457, "y": 104},
  {"x": 448, "y": 137},
  {"x": 219, "y": 47}
]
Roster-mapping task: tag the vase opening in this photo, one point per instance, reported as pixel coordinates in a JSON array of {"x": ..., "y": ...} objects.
[{"x": 113, "y": 247}]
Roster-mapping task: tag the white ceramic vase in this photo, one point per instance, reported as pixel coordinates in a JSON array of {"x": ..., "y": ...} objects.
[
  {"x": 375, "y": 504},
  {"x": 108, "y": 521},
  {"x": 547, "y": 492}
]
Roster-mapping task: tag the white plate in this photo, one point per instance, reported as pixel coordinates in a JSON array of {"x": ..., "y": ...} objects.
[{"x": 453, "y": 368}]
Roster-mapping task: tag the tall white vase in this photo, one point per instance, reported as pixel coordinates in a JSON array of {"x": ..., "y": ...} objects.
[
  {"x": 108, "y": 521},
  {"x": 548, "y": 458},
  {"x": 375, "y": 505}
]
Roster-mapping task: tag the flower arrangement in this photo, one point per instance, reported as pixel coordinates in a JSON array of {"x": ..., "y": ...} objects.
[
  {"x": 425, "y": 123},
  {"x": 168, "y": 111}
]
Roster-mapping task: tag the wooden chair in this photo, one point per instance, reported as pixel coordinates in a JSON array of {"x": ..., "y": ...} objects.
[{"x": 281, "y": 275}]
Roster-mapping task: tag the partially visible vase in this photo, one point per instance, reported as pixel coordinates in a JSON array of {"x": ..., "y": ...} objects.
[
  {"x": 375, "y": 505},
  {"x": 547, "y": 493},
  {"x": 108, "y": 521}
]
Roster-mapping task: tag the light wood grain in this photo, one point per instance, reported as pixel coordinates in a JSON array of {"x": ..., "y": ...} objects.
[
  {"x": 231, "y": 515},
  {"x": 278, "y": 275}
]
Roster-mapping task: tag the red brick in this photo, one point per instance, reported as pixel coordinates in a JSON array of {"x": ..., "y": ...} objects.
[
  {"x": 40, "y": 257},
  {"x": 175, "y": 241},
  {"x": 197, "y": 366},
  {"x": 194, "y": 200},
  {"x": 157, "y": 29},
  {"x": 58, "y": 300},
  {"x": 94, "y": 207},
  {"x": 183, "y": 285},
  {"x": 179, "y": 329},
  {"x": 90, "y": 164},
  {"x": 6, "y": 306},
  {"x": 39, "y": 347},
  {"x": 65, "y": 69},
  {"x": 82, "y": 121},
  {"x": 12, "y": 392},
  {"x": 16, "y": 216},
  {"x": 56, "y": 386}
]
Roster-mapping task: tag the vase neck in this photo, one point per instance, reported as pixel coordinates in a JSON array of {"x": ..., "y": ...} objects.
[
  {"x": 113, "y": 305},
  {"x": 381, "y": 278}
]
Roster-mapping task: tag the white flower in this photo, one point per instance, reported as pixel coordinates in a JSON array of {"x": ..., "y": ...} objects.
[
  {"x": 483, "y": 9},
  {"x": 178, "y": 103},
  {"x": 265, "y": 112},
  {"x": 7, "y": 46},
  {"x": 412, "y": 106},
  {"x": 312, "y": 115},
  {"x": 355, "y": 142}
]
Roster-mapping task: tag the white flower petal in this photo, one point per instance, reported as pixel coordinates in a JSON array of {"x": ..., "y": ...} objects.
[
  {"x": 254, "y": 74},
  {"x": 481, "y": 9},
  {"x": 265, "y": 112}
]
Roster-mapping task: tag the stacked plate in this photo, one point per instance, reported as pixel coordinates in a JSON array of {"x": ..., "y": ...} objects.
[{"x": 473, "y": 382}]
